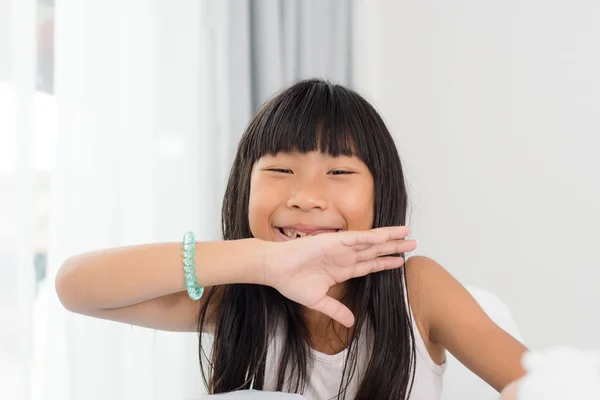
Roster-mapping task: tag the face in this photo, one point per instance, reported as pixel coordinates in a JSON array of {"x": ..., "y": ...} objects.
[{"x": 297, "y": 194}]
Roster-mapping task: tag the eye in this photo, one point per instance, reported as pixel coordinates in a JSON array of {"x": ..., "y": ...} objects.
[
  {"x": 341, "y": 172},
  {"x": 280, "y": 170}
]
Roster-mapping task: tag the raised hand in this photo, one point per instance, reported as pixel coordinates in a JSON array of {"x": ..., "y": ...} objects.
[{"x": 304, "y": 269}]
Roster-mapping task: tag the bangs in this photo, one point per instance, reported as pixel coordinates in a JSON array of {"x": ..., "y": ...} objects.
[{"x": 313, "y": 115}]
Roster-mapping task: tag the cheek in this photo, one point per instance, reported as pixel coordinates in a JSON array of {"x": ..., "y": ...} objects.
[
  {"x": 260, "y": 209},
  {"x": 356, "y": 208},
  {"x": 254, "y": 214}
]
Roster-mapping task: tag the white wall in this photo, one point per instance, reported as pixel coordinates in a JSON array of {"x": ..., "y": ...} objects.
[{"x": 496, "y": 110}]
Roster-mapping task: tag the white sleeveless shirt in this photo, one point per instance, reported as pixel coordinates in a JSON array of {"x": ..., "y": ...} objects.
[{"x": 326, "y": 374}]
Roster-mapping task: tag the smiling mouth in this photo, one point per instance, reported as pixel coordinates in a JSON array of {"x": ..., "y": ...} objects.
[{"x": 292, "y": 233}]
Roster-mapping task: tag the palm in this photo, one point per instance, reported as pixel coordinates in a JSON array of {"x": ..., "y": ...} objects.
[{"x": 304, "y": 269}]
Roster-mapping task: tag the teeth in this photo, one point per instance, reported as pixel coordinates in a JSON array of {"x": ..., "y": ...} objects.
[{"x": 292, "y": 233}]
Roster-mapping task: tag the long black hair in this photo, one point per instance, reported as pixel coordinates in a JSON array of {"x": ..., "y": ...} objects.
[{"x": 313, "y": 115}]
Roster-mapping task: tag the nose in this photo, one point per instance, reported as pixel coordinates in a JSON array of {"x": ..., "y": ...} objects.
[{"x": 308, "y": 196}]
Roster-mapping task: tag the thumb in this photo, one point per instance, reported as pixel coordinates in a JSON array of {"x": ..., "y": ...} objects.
[{"x": 335, "y": 310}]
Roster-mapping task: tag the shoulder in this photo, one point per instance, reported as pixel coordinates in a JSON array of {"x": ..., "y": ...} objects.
[
  {"x": 421, "y": 266},
  {"x": 424, "y": 277},
  {"x": 434, "y": 294},
  {"x": 451, "y": 319}
]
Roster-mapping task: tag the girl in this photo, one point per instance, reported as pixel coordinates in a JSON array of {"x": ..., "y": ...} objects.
[{"x": 306, "y": 293}]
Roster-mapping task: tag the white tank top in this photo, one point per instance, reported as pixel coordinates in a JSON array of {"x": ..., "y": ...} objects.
[{"x": 326, "y": 374}]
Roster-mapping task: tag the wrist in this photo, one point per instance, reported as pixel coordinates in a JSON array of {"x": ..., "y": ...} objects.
[
  {"x": 231, "y": 262},
  {"x": 259, "y": 252}
]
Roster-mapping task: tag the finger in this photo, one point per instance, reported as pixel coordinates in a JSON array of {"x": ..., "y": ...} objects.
[
  {"x": 377, "y": 265},
  {"x": 358, "y": 239},
  {"x": 386, "y": 249},
  {"x": 335, "y": 310},
  {"x": 393, "y": 232},
  {"x": 361, "y": 239}
]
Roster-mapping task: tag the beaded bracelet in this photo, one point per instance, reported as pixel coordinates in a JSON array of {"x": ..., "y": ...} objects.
[{"x": 194, "y": 290}]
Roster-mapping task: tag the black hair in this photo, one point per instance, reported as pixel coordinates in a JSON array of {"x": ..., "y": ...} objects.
[{"x": 313, "y": 115}]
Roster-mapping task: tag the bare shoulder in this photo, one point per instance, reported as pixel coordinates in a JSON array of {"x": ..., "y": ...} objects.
[
  {"x": 430, "y": 289},
  {"x": 454, "y": 321},
  {"x": 422, "y": 275},
  {"x": 418, "y": 267}
]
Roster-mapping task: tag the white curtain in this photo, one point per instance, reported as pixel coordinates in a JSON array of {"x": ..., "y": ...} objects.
[
  {"x": 17, "y": 191},
  {"x": 151, "y": 99}
]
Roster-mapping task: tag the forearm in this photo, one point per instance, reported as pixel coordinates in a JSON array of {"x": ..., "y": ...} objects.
[{"x": 124, "y": 276}]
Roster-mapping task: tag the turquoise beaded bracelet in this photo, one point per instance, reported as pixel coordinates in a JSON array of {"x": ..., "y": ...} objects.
[{"x": 194, "y": 290}]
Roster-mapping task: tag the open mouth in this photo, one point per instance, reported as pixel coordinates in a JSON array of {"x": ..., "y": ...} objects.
[{"x": 291, "y": 233}]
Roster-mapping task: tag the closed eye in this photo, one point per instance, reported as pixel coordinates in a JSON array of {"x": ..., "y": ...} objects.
[
  {"x": 341, "y": 172},
  {"x": 280, "y": 170}
]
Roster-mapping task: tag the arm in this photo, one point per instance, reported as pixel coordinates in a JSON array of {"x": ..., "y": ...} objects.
[
  {"x": 455, "y": 321},
  {"x": 144, "y": 285}
]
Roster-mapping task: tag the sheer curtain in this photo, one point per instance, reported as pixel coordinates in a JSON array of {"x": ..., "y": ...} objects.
[
  {"x": 151, "y": 98},
  {"x": 18, "y": 102}
]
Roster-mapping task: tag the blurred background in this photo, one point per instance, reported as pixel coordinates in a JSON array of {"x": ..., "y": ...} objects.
[{"x": 119, "y": 121}]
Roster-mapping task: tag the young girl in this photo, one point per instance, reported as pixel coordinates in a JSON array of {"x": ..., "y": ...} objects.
[{"x": 309, "y": 292}]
